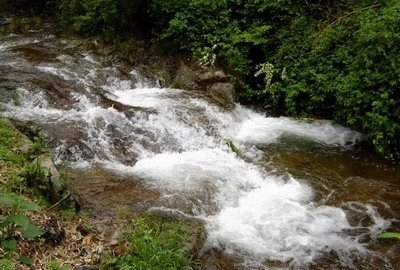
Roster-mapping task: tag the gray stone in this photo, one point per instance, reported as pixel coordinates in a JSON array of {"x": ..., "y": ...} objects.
[
  {"x": 212, "y": 76},
  {"x": 223, "y": 92},
  {"x": 86, "y": 267}
]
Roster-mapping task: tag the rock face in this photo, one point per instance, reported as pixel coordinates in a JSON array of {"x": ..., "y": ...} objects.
[
  {"x": 214, "y": 82},
  {"x": 217, "y": 260},
  {"x": 174, "y": 71}
]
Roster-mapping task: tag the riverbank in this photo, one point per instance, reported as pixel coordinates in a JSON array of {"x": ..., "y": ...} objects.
[{"x": 68, "y": 237}]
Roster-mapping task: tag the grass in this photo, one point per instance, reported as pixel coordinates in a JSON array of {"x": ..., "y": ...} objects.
[
  {"x": 9, "y": 140},
  {"x": 156, "y": 243}
]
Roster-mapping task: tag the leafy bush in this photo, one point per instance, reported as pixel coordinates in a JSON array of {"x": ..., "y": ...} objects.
[
  {"x": 348, "y": 71},
  {"x": 14, "y": 222},
  {"x": 31, "y": 6},
  {"x": 338, "y": 60},
  {"x": 111, "y": 18}
]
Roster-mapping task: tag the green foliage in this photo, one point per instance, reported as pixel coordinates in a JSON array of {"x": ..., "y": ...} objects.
[
  {"x": 16, "y": 203},
  {"x": 31, "y": 6},
  {"x": 25, "y": 260},
  {"x": 389, "y": 235},
  {"x": 6, "y": 264},
  {"x": 25, "y": 171},
  {"x": 157, "y": 244},
  {"x": 14, "y": 222},
  {"x": 33, "y": 174},
  {"x": 54, "y": 266},
  {"x": 348, "y": 71},
  {"x": 38, "y": 147},
  {"x": 111, "y": 18},
  {"x": 338, "y": 60}
]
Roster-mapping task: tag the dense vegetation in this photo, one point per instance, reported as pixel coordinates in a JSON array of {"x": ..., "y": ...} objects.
[{"x": 338, "y": 59}]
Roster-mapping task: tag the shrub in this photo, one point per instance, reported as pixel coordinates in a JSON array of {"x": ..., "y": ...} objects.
[
  {"x": 30, "y": 6},
  {"x": 338, "y": 60},
  {"x": 14, "y": 222},
  {"x": 110, "y": 18}
]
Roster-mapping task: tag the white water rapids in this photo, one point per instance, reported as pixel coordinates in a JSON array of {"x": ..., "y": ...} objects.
[{"x": 177, "y": 144}]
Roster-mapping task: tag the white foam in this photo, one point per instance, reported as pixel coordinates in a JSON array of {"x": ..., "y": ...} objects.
[
  {"x": 279, "y": 221},
  {"x": 260, "y": 214},
  {"x": 203, "y": 171},
  {"x": 180, "y": 147},
  {"x": 258, "y": 129}
]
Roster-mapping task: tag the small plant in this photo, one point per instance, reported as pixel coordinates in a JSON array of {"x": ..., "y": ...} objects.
[
  {"x": 13, "y": 221},
  {"x": 38, "y": 147},
  {"x": 268, "y": 70},
  {"x": 233, "y": 147},
  {"x": 207, "y": 56},
  {"x": 54, "y": 266},
  {"x": 389, "y": 235},
  {"x": 33, "y": 174}
]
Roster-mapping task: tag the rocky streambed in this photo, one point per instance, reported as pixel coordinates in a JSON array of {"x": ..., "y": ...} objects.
[{"x": 272, "y": 192}]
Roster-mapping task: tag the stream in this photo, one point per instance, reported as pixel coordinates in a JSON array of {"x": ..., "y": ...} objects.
[{"x": 299, "y": 194}]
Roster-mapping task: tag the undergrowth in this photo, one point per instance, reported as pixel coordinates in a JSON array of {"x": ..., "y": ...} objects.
[
  {"x": 155, "y": 243},
  {"x": 26, "y": 187}
]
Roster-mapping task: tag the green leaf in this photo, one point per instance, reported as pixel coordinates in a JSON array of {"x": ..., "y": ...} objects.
[
  {"x": 10, "y": 200},
  {"x": 54, "y": 266},
  {"x": 389, "y": 235},
  {"x": 19, "y": 220},
  {"x": 32, "y": 231},
  {"x": 9, "y": 245},
  {"x": 64, "y": 267},
  {"x": 26, "y": 260}
]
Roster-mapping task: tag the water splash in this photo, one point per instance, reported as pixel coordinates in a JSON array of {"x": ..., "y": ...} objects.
[{"x": 175, "y": 142}]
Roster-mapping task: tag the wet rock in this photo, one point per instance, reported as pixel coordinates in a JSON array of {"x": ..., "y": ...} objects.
[
  {"x": 36, "y": 52},
  {"x": 209, "y": 76},
  {"x": 191, "y": 77},
  {"x": 217, "y": 260},
  {"x": 29, "y": 129},
  {"x": 102, "y": 193},
  {"x": 393, "y": 254},
  {"x": 185, "y": 78},
  {"x": 86, "y": 267},
  {"x": 223, "y": 93},
  {"x": 196, "y": 236}
]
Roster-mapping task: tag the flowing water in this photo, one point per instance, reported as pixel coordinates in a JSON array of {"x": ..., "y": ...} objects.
[{"x": 294, "y": 194}]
